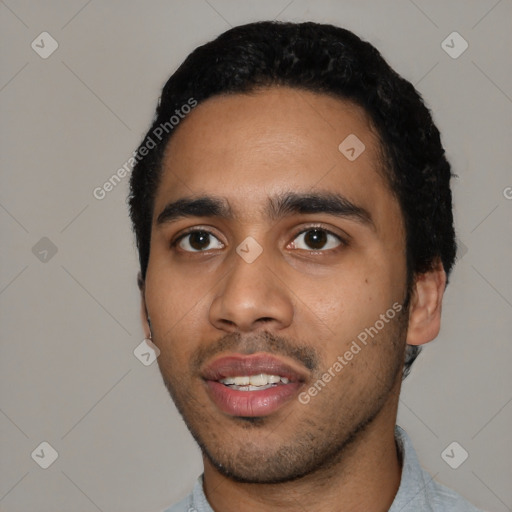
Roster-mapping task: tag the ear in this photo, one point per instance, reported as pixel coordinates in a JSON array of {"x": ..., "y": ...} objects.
[
  {"x": 425, "y": 307},
  {"x": 143, "y": 308}
]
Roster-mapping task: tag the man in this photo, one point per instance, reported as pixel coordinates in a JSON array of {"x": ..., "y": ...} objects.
[{"x": 292, "y": 209}]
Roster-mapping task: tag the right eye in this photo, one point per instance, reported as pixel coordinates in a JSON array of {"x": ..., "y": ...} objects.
[{"x": 198, "y": 240}]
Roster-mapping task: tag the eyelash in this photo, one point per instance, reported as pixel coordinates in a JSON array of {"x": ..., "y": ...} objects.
[{"x": 343, "y": 242}]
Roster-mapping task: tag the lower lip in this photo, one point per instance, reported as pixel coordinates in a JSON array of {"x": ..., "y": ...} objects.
[{"x": 251, "y": 404}]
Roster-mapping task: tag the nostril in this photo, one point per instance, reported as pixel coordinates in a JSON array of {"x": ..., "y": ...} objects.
[{"x": 228, "y": 322}]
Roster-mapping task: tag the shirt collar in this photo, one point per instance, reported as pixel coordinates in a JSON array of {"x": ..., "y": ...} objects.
[{"x": 414, "y": 483}]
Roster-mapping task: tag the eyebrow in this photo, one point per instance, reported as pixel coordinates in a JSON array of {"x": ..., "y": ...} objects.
[
  {"x": 206, "y": 206},
  {"x": 319, "y": 202},
  {"x": 278, "y": 207}
]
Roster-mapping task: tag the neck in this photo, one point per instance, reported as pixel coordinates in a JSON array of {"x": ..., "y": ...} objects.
[{"x": 365, "y": 477}]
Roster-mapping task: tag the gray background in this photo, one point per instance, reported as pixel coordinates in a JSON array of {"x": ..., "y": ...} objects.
[{"x": 70, "y": 320}]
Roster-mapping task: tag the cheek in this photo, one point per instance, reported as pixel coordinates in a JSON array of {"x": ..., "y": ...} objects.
[
  {"x": 177, "y": 305},
  {"x": 350, "y": 300}
]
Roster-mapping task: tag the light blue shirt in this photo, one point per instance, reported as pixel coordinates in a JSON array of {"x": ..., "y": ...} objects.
[{"x": 418, "y": 492}]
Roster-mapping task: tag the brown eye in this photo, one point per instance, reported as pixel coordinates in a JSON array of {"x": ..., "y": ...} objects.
[
  {"x": 316, "y": 239},
  {"x": 197, "y": 241}
]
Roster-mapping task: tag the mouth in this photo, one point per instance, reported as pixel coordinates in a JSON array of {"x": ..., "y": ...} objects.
[
  {"x": 252, "y": 386},
  {"x": 257, "y": 382}
]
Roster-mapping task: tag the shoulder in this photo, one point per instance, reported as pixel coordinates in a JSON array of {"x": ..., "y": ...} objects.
[
  {"x": 443, "y": 499},
  {"x": 418, "y": 490}
]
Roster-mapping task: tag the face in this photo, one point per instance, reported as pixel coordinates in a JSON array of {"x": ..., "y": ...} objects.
[{"x": 276, "y": 280}]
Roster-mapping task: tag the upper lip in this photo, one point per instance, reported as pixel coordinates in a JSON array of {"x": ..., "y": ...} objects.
[{"x": 240, "y": 365}]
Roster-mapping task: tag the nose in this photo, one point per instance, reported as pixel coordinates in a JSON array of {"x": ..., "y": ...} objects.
[{"x": 251, "y": 297}]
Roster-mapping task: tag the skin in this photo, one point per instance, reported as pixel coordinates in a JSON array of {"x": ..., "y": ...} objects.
[{"x": 337, "y": 452}]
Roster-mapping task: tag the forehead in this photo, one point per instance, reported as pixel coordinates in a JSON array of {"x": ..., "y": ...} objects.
[{"x": 249, "y": 147}]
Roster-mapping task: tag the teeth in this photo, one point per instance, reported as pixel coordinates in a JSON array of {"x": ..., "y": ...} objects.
[
  {"x": 258, "y": 380},
  {"x": 254, "y": 381}
]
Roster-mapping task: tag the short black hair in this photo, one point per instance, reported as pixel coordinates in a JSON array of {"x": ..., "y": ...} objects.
[{"x": 320, "y": 58}]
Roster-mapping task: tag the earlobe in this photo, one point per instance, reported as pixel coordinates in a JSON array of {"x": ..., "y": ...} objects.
[
  {"x": 426, "y": 305},
  {"x": 143, "y": 309}
]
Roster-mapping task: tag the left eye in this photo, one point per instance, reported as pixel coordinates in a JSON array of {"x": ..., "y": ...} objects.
[{"x": 316, "y": 239}]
